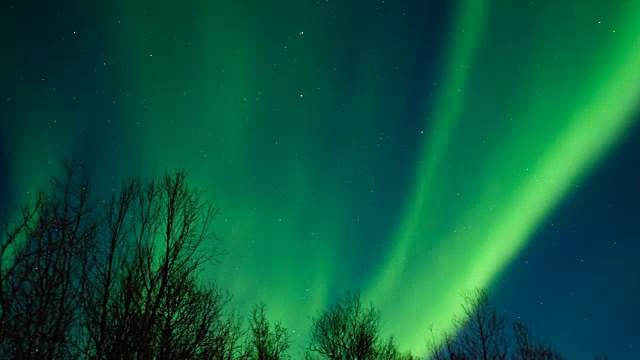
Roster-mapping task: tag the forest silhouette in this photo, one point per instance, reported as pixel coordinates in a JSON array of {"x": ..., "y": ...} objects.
[{"x": 119, "y": 279}]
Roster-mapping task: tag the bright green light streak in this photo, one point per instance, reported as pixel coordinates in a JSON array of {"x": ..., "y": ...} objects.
[
  {"x": 468, "y": 29},
  {"x": 570, "y": 144}
]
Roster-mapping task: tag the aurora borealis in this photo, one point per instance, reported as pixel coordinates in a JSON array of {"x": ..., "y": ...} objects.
[{"x": 410, "y": 149}]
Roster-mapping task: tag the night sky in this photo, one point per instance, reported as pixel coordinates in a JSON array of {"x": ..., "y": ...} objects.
[{"x": 411, "y": 149}]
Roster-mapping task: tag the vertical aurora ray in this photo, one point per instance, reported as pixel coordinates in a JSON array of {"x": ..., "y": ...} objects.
[
  {"x": 447, "y": 115},
  {"x": 464, "y": 227},
  {"x": 221, "y": 74},
  {"x": 245, "y": 97}
]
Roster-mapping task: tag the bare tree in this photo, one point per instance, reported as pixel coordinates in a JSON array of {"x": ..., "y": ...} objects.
[
  {"x": 226, "y": 340},
  {"x": 147, "y": 300},
  {"x": 349, "y": 331},
  {"x": 444, "y": 347},
  {"x": 45, "y": 271},
  {"x": 11, "y": 243},
  {"x": 526, "y": 348},
  {"x": 266, "y": 342},
  {"x": 481, "y": 329},
  {"x": 388, "y": 350},
  {"x": 119, "y": 284},
  {"x": 479, "y": 334},
  {"x": 108, "y": 255}
]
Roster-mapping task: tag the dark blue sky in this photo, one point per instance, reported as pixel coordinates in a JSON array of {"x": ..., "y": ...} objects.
[{"x": 578, "y": 281}]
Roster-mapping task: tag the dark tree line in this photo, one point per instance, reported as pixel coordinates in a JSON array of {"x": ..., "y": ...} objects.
[
  {"x": 482, "y": 333},
  {"x": 119, "y": 278},
  {"x": 114, "y": 279},
  {"x": 351, "y": 330}
]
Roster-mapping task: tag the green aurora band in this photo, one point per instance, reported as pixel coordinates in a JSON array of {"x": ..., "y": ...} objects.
[
  {"x": 530, "y": 98},
  {"x": 566, "y": 120}
]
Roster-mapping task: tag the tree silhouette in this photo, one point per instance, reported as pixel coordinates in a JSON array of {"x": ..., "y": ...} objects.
[
  {"x": 108, "y": 273},
  {"x": 444, "y": 347},
  {"x": 528, "y": 349},
  {"x": 479, "y": 334},
  {"x": 11, "y": 257},
  {"x": 266, "y": 342},
  {"x": 350, "y": 331},
  {"x": 148, "y": 302},
  {"x": 45, "y": 270},
  {"x": 481, "y": 329},
  {"x": 121, "y": 283}
]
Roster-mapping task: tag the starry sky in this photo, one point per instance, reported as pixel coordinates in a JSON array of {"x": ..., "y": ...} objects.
[{"x": 410, "y": 149}]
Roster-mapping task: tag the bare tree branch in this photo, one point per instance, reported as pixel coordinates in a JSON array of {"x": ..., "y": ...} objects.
[
  {"x": 526, "y": 348},
  {"x": 266, "y": 342},
  {"x": 349, "y": 330}
]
